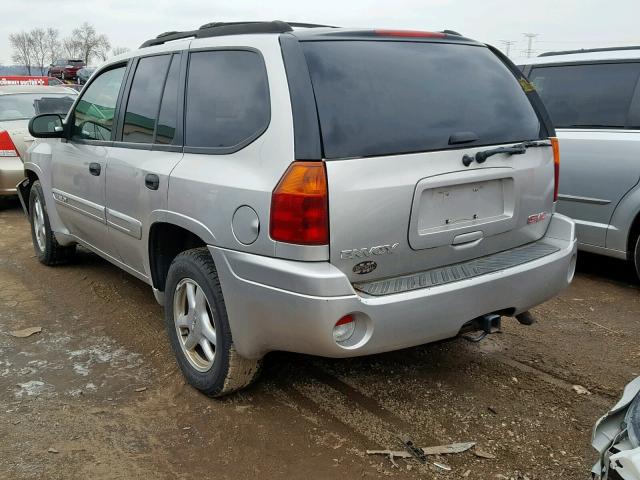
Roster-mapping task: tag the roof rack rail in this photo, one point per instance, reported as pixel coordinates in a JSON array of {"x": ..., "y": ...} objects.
[
  {"x": 588, "y": 50},
  {"x": 216, "y": 29}
]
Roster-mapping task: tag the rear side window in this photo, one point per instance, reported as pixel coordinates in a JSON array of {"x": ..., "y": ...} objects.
[
  {"x": 589, "y": 96},
  {"x": 387, "y": 97},
  {"x": 227, "y": 104},
  {"x": 144, "y": 99}
]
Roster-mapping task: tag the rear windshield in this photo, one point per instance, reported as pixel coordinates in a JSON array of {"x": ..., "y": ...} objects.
[
  {"x": 385, "y": 97},
  {"x": 22, "y": 106}
]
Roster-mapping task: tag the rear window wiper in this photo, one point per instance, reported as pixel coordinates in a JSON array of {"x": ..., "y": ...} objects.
[{"x": 517, "y": 149}]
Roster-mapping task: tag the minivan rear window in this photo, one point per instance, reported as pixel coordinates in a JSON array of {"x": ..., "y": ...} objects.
[{"x": 386, "y": 97}]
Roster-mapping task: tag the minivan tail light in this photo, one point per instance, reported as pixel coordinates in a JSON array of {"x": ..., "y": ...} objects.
[
  {"x": 556, "y": 166},
  {"x": 7, "y": 148},
  {"x": 300, "y": 205}
]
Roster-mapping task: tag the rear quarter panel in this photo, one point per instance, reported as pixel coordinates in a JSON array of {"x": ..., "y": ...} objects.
[
  {"x": 210, "y": 188},
  {"x": 599, "y": 167}
]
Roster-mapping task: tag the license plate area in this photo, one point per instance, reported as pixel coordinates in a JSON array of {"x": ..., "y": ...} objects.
[
  {"x": 460, "y": 205},
  {"x": 447, "y": 206}
]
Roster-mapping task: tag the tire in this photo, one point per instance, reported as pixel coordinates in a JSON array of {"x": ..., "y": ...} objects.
[
  {"x": 636, "y": 256},
  {"x": 47, "y": 249},
  {"x": 193, "y": 304}
]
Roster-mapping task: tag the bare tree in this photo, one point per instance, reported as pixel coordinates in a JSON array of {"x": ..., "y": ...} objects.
[
  {"x": 119, "y": 50},
  {"x": 22, "y": 49},
  {"x": 89, "y": 43},
  {"x": 70, "y": 48},
  {"x": 53, "y": 44},
  {"x": 39, "y": 48}
]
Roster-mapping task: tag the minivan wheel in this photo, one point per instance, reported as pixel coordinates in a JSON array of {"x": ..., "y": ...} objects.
[
  {"x": 47, "y": 248},
  {"x": 198, "y": 327}
]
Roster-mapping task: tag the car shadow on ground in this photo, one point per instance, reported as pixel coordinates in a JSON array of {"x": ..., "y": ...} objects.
[{"x": 606, "y": 268}]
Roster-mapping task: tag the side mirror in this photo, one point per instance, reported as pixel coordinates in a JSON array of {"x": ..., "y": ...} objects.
[{"x": 46, "y": 125}]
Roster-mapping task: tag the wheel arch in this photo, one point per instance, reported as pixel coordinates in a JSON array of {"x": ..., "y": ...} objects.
[
  {"x": 634, "y": 233},
  {"x": 167, "y": 239},
  {"x": 24, "y": 189}
]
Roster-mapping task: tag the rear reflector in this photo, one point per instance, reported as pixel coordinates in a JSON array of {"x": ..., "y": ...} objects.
[
  {"x": 410, "y": 33},
  {"x": 344, "y": 329},
  {"x": 7, "y": 148},
  {"x": 556, "y": 166},
  {"x": 300, "y": 207}
]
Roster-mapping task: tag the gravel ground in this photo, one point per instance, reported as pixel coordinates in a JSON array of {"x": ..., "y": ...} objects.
[{"x": 97, "y": 392}]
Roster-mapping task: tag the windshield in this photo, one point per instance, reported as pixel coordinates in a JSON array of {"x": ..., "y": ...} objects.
[
  {"x": 22, "y": 106},
  {"x": 387, "y": 97}
]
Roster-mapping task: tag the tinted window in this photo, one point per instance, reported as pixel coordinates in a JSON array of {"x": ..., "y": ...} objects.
[
  {"x": 93, "y": 116},
  {"x": 25, "y": 105},
  {"x": 380, "y": 98},
  {"x": 144, "y": 99},
  {"x": 595, "y": 95},
  {"x": 227, "y": 98},
  {"x": 168, "y": 109}
]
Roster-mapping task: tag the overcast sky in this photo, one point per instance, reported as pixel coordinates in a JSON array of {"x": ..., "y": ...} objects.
[{"x": 560, "y": 24}]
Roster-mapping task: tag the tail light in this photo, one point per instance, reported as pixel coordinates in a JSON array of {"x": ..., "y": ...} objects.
[
  {"x": 7, "y": 148},
  {"x": 300, "y": 206},
  {"x": 556, "y": 166}
]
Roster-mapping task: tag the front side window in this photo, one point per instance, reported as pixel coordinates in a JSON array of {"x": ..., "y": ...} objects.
[
  {"x": 227, "y": 102},
  {"x": 587, "y": 96},
  {"x": 144, "y": 99},
  {"x": 93, "y": 117}
]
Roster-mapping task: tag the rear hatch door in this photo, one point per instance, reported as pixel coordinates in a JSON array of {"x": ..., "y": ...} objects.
[{"x": 397, "y": 118}]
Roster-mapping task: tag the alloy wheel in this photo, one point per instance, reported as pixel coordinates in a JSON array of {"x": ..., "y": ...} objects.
[
  {"x": 38, "y": 224},
  {"x": 195, "y": 326}
]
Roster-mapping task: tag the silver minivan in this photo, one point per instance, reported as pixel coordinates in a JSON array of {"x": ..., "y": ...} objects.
[
  {"x": 593, "y": 98},
  {"x": 329, "y": 191}
]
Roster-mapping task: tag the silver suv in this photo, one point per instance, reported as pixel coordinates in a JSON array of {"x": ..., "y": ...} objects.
[
  {"x": 593, "y": 97},
  {"x": 319, "y": 190}
]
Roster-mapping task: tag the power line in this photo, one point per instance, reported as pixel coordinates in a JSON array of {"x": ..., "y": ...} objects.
[
  {"x": 530, "y": 36},
  {"x": 507, "y": 45}
]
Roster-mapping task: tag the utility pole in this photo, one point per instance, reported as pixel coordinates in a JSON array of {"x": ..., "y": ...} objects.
[
  {"x": 507, "y": 45},
  {"x": 529, "y": 51}
]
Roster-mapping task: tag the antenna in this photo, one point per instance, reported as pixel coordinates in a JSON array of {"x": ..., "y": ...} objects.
[{"x": 530, "y": 36}]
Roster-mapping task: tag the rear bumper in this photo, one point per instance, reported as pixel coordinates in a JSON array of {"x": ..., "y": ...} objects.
[
  {"x": 276, "y": 304},
  {"x": 11, "y": 173}
]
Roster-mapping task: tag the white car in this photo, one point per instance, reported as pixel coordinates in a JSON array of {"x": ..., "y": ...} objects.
[
  {"x": 616, "y": 437},
  {"x": 18, "y": 103}
]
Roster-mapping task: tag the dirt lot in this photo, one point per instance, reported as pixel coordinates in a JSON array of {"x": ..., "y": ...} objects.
[{"x": 97, "y": 393}]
